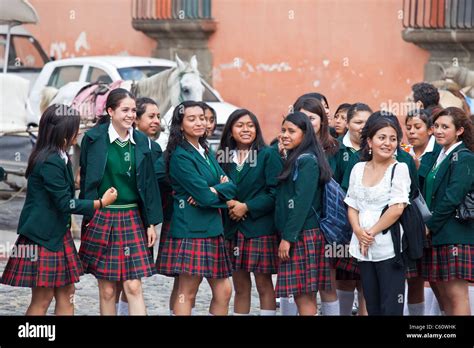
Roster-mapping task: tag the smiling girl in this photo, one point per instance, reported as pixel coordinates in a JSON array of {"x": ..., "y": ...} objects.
[
  {"x": 249, "y": 227},
  {"x": 200, "y": 188},
  {"x": 445, "y": 185},
  {"x": 304, "y": 269},
  {"x": 116, "y": 244},
  {"x": 371, "y": 189}
]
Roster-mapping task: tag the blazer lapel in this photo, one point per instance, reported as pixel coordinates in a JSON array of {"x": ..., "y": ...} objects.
[
  {"x": 244, "y": 171},
  {"x": 70, "y": 175},
  {"x": 442, "y": 171}
]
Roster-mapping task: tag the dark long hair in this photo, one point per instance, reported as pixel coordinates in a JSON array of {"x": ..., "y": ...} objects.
[
  {"x": 228, "y": 142},
  {"x": 177, "y": 135},
  {"x": 460, "y": 119},
  {"x": 375, "y": 122},
  {"x": 309, "y": 144},
  {"x": 113, "y": 101},
  {"x": 58, "y": 126},
  {"x": 329, "y": 144},
  {"x": 316, "y": 95}
]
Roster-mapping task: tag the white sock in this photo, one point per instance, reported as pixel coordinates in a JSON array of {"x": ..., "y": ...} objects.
[
  {"x": 416, "y": 308},
  {"x": 287, "y": 307},
  {"x": 443, "y": 313},
  {"x": 429, "y": 296},
  {"x": 193, "y": 311},
  {"x": 209, "y": 314},
  {"x": 267, "y": 312},
  {"x": 116, "y": 308},
  {"x": 346, "y": 300},
  {"x": 122, "y": 308},
  {"x": 471, "y": 298},
  {"x": 171, "y": 312},
  {"x": 240, "y": 314},
  {"x": 330, "y": 308}
]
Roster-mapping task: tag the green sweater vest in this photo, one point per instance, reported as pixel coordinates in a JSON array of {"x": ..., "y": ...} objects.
[{"x": 120, "y": 172}]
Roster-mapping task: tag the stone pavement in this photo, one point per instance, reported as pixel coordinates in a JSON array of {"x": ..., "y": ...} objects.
[{"x": 14, "y": 301}]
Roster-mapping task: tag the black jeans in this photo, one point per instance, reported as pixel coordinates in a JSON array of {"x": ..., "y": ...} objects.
[{"x": 383, "y": 283}]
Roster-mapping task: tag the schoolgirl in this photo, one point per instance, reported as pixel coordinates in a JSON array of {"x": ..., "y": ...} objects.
[
  {"x": 340, "y": 119},
  {"x": 200, "y": 188},
  {"x": 250, "y": 232},
  {"x": 445, "y": 185},
  {"x": 116, "y": 244},
  {"x": 45, "y": 257},
  {"x": 303, "y": 269},
  {"x": 147, "y": 121},
  {"x": 418, "y": 125},
  {"x": 316, "y": 113},
  {"x": 371, "y": 189}
]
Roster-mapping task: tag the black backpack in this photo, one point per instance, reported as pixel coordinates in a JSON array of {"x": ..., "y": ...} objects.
[{"x": 414, "y": 231}]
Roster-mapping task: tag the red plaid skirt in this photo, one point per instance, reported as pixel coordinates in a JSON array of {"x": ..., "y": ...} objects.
[
  {"x": 449, "y": 262},
  {"x": 307, "y": 271},
  {"x": 347, "y": 268},
  {"x": 258, "y": 255},
  {"x": 166, "y": 252},
  {"x": 33, "y": 265},
  {"x": 114, "y": 246},
  {"x": 204, "y": 257}
]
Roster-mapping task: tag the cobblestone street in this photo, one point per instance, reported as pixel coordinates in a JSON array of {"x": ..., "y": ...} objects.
[{"x": 157, "y": 289}]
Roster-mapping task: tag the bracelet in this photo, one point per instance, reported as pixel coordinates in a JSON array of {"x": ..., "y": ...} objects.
[{"x": 100, "y": 202}]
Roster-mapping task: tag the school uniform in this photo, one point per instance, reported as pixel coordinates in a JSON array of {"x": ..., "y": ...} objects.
[
  {"x": 346, "y": 267},
  {"x": 167, "y": 247},
  {"x": 445, "y": 181},
  {"x": 201, "y": 247},
  {"x": 114, "y": 245},
  {"x": 50, "y": 258},
  {"x": 432, "y": 150},
  {"x": 2, "y": 174},
  {"x": 297, "y": 203},
  {"x": 252, "y": 243}
]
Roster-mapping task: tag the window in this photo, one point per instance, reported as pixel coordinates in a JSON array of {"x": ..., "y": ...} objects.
[
  {"x": 25, "y": 53},
  {"x": 98, "y": 75},
  {"x": 137, "y": 73},
  {"x": 64, "y": 74}
]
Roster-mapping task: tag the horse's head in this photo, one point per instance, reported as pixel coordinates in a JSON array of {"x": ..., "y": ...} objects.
[{"x": 185, "y": 82}]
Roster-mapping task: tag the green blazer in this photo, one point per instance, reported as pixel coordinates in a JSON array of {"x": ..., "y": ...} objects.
[
  {"x": 298, "y": 201},
  {"x": 94, "y": 159},
  {"x": 256, "y": 187},
  {"x": 341, "y": 161},
  {"x": 402, "y": 156},
  {"x": 46, "y": 215},
  {"x": 191, "y": 176},
  {"x": 164, "y": 183},
  {"x": 2, "y": 174},
  {"x": 453, "y": 181}
]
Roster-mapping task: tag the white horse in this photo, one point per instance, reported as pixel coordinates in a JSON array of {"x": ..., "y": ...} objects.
[{"x": 168, "y": 88}]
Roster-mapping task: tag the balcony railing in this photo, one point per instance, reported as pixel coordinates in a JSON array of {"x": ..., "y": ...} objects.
[
  {"x": 171, "y": 9},
  {"x": 438, "y": 14}
]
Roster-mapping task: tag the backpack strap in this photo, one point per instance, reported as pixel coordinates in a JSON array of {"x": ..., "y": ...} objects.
[{"x": 295, "y": 169}]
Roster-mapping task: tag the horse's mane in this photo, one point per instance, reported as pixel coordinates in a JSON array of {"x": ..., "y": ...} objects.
[{"x": 157, "y": 87}]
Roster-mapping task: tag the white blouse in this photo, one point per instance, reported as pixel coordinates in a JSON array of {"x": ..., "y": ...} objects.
[{"x": 370, "y": 201}]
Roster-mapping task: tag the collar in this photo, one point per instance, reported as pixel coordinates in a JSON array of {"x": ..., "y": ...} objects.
[
  {"x": 235, "y": 157},
  {"x": 452, "y": 147},
  {"x": 113, "y": 135},
  {"x": 64, "y": 156},
  {"x": 429, "y": 147},
  {"x": 444, "y": 153},
  {"x": 346, "y": 140},
  {"x": 199, "y": 149}
]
